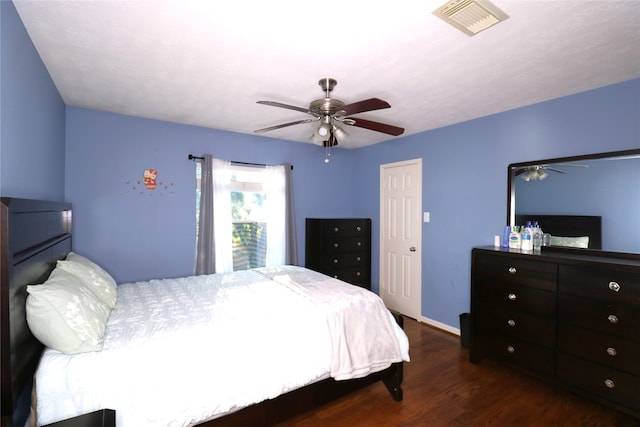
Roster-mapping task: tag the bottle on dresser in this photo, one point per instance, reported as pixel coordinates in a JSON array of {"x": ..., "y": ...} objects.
[
  {"x": 514, "y": 238},
  {"x": 537, "y": 236},
  {"x": 526, "y": 239}
]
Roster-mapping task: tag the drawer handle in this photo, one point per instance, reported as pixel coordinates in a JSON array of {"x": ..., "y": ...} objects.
[
  {"x": 358, "y": 258},
  {"x": 511, "y": 349},
  {"x": 358, "y": 273},
  {"x": 613, "y": 318},
  {"x": 614, "y": 286},
  {"x": 511, "y": 322},
  {"x": 512, "y": 296},
  {"x": 335, "y": 261},
  {"x": 336, "y": 229},
  {"x": 358, "y": 243},
  {"x": 335, "y": 245},
  {"x": 609, "y": 383},
  {"x": 358, "y": 228},
  {"x": 611, "y": 351},
  {"x": 512, "y": 270}
]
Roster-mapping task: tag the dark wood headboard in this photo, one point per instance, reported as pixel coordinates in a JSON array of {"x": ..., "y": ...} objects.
[
  {"x": 568, "y": 226},
  {"x": 34, "y": 234}
]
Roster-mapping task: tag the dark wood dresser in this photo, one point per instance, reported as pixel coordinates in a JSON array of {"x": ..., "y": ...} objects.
[
  {"x": 569, "y": 318},
  {"x": 341, "y": 248}
]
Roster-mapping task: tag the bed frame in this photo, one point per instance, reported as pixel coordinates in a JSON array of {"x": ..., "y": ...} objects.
[
  {"x": 35, "y": 234},
  {"x": 568, "y": 225}
]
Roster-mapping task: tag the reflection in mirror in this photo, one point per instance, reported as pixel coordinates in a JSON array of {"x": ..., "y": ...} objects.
[{"x": 601, "y": 185}]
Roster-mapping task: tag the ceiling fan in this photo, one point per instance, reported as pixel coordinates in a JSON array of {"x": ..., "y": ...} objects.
[
  {"x": 538, "y": 172},
  {"x": 331, "y": 112}
]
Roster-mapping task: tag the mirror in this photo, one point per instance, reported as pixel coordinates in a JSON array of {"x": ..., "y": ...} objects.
[{"x": 605, "y": 185}]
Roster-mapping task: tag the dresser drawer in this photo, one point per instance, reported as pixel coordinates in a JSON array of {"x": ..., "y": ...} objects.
[
  {"x": 345, "y": 227},
  {"x": 516, "y": 351},
  {"x": 347, "y": 259},
  {"x": 538, "y": 330},
  {"x": 610, "y": 318},
  {"x": 537, "y": 274},
  {"x": 601, "y": 381},
  {"x": 513, "y": 296},
  {"x": 615, "y": 352},
  {"x": 612, "y": 284},
  {"x": 349, "y": 244},
  {"x": 356, "y": 276}
]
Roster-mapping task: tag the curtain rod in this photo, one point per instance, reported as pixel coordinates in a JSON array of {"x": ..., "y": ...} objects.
[{"x": 192, "y": 157}]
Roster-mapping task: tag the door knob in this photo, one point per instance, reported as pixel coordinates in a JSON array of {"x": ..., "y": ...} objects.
[{"x": 412, "y": 248}]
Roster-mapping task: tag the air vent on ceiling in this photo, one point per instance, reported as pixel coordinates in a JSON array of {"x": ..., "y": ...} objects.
[{"x": 470, "y": 16}]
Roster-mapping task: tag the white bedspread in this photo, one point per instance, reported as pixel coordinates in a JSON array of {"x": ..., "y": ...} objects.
[{"x": 181, "y": 351}]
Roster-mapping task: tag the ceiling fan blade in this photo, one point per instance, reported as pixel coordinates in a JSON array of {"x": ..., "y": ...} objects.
[
  {"x": 284, "y": 125},
  {"x": 376, "y": 126},
  {"x": 555, "y": 170},
  {"x": 571, "y": 164},
  {"x": 287, "y": 106},
  {"x": 363, "y": 106}
]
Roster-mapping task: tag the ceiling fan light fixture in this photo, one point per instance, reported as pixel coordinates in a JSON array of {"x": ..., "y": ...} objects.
[
  {"x": 339, "y": 133},
  {"x": 470, "y": 16}
]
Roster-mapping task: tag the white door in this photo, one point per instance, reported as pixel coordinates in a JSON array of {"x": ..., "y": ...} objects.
[{"x": 401, "y": 236}]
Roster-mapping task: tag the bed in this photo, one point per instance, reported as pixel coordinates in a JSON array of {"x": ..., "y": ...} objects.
[
  {"x": 582, "y": 231},
  {"x": 321, "y": 364}
]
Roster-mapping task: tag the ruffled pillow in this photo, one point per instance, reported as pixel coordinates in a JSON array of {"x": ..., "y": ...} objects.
[
  {"x": 93, "y": 276},
  {"x": 66, "y": 315},
  {"x": 572, "y": 242}
]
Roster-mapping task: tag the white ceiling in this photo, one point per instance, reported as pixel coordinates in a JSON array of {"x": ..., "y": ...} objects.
[{"x": 206, "y": 63}]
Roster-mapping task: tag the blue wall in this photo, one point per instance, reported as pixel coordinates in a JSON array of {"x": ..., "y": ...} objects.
[
  {"x": 104, "y": 155},
  {"x": 107, "y": 154},
  {"x": 31, "y": 117}
]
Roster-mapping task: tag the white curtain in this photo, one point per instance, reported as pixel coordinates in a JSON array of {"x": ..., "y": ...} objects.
[
  {"x": 274, "y": 186},
  {"x": 214, "y": 228}
]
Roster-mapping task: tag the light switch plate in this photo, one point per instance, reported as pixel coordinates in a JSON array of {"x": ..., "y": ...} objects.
[{"x": 427, "y": 216}]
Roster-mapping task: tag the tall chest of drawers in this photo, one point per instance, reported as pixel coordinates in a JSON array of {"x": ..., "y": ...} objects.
[
  {"x": 573, "y": 319},
  {"x": 340, "y": 247}
]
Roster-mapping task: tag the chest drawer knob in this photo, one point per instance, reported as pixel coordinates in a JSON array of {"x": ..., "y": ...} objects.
[
  {"x": 614, "y": 286},
  {"x": 511, "y": 349},
  {"x": 336, "y": 229},
  {"x": 609, "y": 383},
  {"x": 611, "y": 351},
  {"x": 512, "y": 296},
  {"x": 335, "y": 261},
  {"x": 358, "y": 228},
  {"x": 335, "y": 245},
  {"x": 613, "y": 318},
  {"x": 512, "y": 270},
  {"x": 511, "y": 322},
  {"x": 358, "y": 243}
]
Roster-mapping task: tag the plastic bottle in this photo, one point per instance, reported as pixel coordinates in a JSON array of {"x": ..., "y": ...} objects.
[
  {"x": 514, "y": 238},
  {"x": 537, "y": 236},
  {"x": 526, "y": 238},
  {"x": 505, "y": 237}
]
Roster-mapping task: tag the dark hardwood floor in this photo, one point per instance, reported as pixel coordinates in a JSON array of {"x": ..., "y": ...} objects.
[{"x": 441, "y": 388}]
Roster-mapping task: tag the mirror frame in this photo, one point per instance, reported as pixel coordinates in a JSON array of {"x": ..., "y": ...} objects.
[{"x": 511, "y": 197}]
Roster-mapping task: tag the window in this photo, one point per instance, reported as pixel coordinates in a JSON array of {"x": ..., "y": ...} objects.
[{"x": 249, "y": 215}]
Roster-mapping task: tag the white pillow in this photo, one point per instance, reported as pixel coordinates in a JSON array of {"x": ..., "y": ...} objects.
[
  {"x": 92, "y": 275},
  {"x": 66, "y": 315},
  {"x": 572, "y": 242}
]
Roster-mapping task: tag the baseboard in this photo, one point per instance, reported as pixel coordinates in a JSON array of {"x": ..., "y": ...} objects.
[{"x": 439, "y": 325}]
